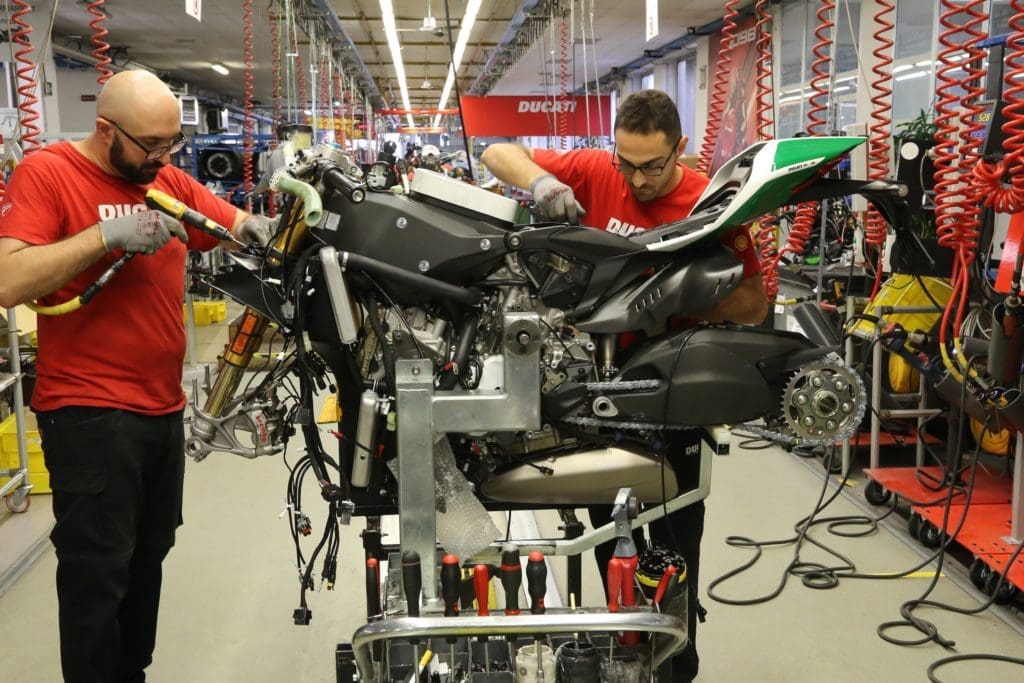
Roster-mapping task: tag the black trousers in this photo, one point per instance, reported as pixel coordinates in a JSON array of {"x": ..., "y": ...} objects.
[
  {"x": 681, "y": 531},
  {"x": 117, "y": 489}
]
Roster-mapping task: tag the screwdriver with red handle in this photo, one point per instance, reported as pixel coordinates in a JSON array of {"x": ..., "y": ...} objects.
[{"x": 481, "y": 586}]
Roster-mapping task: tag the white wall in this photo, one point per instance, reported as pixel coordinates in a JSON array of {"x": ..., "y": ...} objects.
[{"x": 76, "y": 116}]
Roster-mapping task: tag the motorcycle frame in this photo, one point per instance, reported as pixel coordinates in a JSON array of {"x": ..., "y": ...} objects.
[{"x": 424, "y": 413}]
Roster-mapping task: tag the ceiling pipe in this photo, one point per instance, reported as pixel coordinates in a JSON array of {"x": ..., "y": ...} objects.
[
  {"x": 482, "y": 83},
  {"x": 330, "y": 18},
  {"x": 680, "y": 43}
]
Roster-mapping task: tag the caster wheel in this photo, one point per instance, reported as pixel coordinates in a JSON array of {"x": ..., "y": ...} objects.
[
  {"x": 833, "y": 463},
  {"x": 914, "y": 524},
  {"x": 17, "y": 502},
  {"x": 929, "y": 535},
  {"x": 979, "y": 574},
  {"x": 1005, "y": 593},
  {"x": 876, "y": 494}
]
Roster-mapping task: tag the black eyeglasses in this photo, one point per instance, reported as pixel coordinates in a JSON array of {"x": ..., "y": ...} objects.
[
  {"x": 177, "y": 142},
  {"x": 628, "y": 169}
]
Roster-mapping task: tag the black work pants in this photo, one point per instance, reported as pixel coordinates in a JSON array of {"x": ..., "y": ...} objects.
[
  {"x": 117, "y": 489},
  {"x": 681, "y": 531}
]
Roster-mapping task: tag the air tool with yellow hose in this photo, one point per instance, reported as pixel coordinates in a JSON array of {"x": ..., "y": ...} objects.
[{"x": 140, "y": 232}]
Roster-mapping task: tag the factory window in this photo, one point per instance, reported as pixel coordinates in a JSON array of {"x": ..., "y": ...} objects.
[
  {"x": 686, "y": 98},
  {"x": 915, "y": 28}
]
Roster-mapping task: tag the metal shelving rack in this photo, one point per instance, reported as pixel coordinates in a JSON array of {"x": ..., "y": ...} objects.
[{"x": 15, "y": 492}]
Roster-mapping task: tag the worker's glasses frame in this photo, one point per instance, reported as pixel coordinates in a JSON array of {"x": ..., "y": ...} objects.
[
  {"x": 152, "y": 153},
  {"x": 627, "y": 169}
]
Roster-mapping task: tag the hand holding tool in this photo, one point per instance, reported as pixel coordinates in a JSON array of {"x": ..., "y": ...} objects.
[
  {"x": 536, "y": 581},
  {"x": 144, "y": 232},
  {"x": 257, "y": 229},
  {"x": 556, "y": 199},
  {"x": 155, "y": 199},
  {"x": 511, "y": 578}
]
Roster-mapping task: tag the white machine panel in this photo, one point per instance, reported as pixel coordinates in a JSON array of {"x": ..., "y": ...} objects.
[{"x": 442, "y": 188}]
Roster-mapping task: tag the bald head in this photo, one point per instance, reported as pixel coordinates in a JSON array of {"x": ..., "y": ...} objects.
[{"x": 138, "y": 100}]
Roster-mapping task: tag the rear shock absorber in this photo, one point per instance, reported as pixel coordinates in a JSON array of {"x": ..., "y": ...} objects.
[
  {"x": 99, "y": 32},
  {"x": 875, "y": 227},
  {"x": 27, "y": 99},
  {"x": 716, "y": 106},
  {"x": 989, "y": 175}
]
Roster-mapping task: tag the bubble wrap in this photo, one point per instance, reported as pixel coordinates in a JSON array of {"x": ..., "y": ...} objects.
[{"x": 464, "y": 527}]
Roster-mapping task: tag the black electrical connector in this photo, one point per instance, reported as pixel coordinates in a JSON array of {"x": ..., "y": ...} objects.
[
  {"x": 302, "y": 616},
  {"x": 330, "y": 571}
]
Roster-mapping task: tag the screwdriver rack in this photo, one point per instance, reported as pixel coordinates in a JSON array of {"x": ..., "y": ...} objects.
[{"x": 495, "y": 639}]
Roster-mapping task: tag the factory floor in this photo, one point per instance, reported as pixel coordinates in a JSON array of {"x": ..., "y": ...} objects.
[{"x": 230, "y": 585}]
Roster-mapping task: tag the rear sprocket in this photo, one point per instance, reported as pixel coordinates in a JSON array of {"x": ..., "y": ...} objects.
[{"x": 824, "y": 402}]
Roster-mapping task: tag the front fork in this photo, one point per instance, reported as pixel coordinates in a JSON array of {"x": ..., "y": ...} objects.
[{"x": 210, "y": 430}]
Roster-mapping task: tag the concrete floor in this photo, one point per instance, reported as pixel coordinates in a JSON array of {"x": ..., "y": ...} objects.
[{"x": 230, "y": 586}]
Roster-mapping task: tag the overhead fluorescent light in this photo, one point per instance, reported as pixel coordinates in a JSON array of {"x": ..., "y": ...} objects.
[
  {"x": 220, "y": 68},
  {"x": 465, "y": 26},
  {"x": 902, "y": 67},
  {"x": 912, "y": 74},
  {"x": 387, "y": 12}
]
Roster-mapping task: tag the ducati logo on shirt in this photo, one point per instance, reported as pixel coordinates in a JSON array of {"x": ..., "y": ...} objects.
[
  {"x": 6, "y": 208},
  {"x": 108, "y": 211},
  {"x": 617, "y": 227}
]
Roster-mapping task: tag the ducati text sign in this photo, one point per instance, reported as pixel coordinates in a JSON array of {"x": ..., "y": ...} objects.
[{"x": 514, "y": 115}]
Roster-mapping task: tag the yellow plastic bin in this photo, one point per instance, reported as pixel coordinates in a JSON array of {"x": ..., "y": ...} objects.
[{"x": 37, "y": 474}]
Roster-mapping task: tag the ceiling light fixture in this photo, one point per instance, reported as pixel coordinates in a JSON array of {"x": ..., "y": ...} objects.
[
  {"x": 387, "y": 12},
  {"x": 472, "y": 7},
  {"x": 220, "y": 68}
]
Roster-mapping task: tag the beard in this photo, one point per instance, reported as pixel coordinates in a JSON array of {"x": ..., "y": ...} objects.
[{"x": 140, "y": 174}]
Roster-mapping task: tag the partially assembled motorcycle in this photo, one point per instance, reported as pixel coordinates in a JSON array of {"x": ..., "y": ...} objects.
[{"x": 490, "y": 358}]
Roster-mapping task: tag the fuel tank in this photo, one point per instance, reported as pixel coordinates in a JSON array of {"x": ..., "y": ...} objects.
[
  {"x": 584, "y": 478},
  {"x": 453, "y": 236}
]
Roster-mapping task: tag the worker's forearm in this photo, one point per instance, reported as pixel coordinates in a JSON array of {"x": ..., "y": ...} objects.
[
  {"x": 512, "y": 164},
  {"x": 32, "y": 272}
]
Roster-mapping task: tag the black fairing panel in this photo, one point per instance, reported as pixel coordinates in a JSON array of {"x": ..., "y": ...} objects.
[
  {"x": 710, "y": 375},
  {"x": 459, "y": 249},
  {"x": 677, "y": 289}
]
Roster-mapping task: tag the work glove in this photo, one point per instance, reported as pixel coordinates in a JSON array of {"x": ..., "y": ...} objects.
[
  {"x": 144, "y": 232},
  {"x": 256, "y": 230},
  {"x": 556, "y": 199}
]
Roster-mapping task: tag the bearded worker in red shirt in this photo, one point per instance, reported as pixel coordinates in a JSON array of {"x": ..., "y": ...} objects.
[
  {"x": 108, "y": 393},
  {"x": 638, "y": 186}
]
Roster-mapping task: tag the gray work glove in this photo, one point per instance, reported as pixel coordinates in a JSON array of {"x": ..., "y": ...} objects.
[
  {"x": 144, "y": 232},
  {"x": 556, "y": 199},
  {"x": 257, "y": 230}
]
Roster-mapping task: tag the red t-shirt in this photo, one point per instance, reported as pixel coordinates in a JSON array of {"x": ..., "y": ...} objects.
[
  {"x": 604, "y": 194},
  {"x": 125, "y": 348}
]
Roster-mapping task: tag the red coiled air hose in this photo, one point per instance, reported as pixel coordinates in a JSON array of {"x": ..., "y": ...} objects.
[
  {"x": 563, "y": 74},
  {"x": 248, "y": 58},
  {"x": 278, "y": 99},
  {"x": 764, "y": 89},
  {"x": 875, "y": 227},
  {"x": 716, "y": 105},
  {"x": 300, "y": 80},
  {"x": 340, "y": 99},
  {"x": 807, "y": 213},
  {"x": 27, "y": 99},
  {"x": 989, "y": 176},
  {"x": 99, "y": 32},
  {"x": 956, "y": 199},
  {"x": 767, "y": 236}
]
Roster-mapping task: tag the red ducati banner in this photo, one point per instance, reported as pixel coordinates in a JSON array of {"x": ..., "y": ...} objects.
[{"x": 514, "y": 115}]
